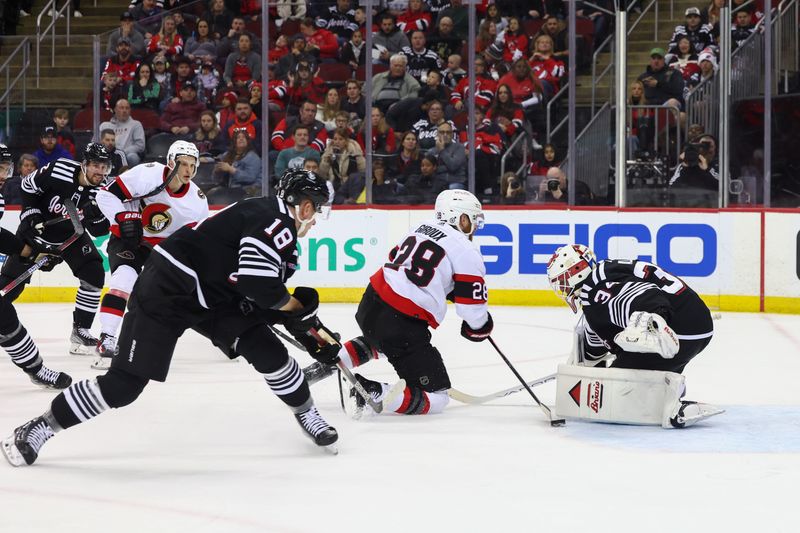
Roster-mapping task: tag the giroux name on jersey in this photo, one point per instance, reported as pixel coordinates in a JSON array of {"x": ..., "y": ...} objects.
[{"x": 431, "y": 232}]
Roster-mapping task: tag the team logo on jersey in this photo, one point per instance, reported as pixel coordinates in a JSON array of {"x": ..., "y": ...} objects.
[
  {"x": 127, "y": 255},
  {"x": 594, "y": 398},
  {"x": 201, "y": 194},
  {"x": 87, "y": 249},
  {"x": 575, "y": 393},
  {"x": 156, "y": 218}
]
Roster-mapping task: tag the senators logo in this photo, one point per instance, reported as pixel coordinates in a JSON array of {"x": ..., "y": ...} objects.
[
  {"x": 201, "y": 194},
  {"x": 156, "y": 218}
]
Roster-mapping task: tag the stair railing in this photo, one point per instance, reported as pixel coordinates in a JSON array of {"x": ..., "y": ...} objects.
[
  {"x": 41, "y": 34},
  {"x": 23, "y": 49}
]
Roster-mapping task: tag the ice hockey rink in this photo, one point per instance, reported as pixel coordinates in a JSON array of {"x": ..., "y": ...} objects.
[{"x": 212, "y": 450}]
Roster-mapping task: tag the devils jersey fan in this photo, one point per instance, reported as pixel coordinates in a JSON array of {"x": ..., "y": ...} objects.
[{"x": 146, "y": 205}]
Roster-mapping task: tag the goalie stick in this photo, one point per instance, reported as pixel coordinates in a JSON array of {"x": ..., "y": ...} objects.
[
  {"x": 546, "y": 410},
  {"x": 45, "y": 258},
  {"x": 463, "y": 397},
  {"x": 327, "y": 336}
]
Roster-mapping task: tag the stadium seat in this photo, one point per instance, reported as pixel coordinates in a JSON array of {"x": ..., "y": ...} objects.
[
  {"x": 150, "y": 119},
  {"x": 376, "y": 69},
  {"x": 158, "y": 146},
  {"x": 532, "y": 26},
  {"x": 83, "y": 118},
  {"x": 290, "y": 28},
  {"x": 335, "y": 74},
  {"x": 205, "y": 176}
]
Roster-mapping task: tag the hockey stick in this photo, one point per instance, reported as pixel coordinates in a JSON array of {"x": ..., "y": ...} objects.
[
  {"x": 42, "y": 261},
  {"x": 322, "y": 334},
  {"x": 546, "y": 410},
  {"x": 463, "y": 397}
]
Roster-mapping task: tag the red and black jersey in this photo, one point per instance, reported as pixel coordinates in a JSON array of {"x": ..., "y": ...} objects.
[{"x": 485, "y": 88}]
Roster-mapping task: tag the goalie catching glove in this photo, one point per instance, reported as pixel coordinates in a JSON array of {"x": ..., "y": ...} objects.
[
  {"x": 648, "y": 333},
  {"x": 480, "y": 334},
  {"x": 304, "y": 324}
]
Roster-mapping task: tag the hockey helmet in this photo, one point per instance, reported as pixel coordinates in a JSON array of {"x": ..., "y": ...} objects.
[
  {"x": 567, "y": 269},
  {"x": 297, "y": 184},
  {"x": 6, "y": 161},
  {"x": 97, "y": 153},
  {"x": 179, "y": 148},
  {"x": 453, "y": 203}
]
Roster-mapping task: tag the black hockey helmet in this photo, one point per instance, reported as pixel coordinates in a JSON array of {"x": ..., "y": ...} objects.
[
  {"x": 6, "y": 157},
  {"x": 297, "y": 184},
  {"x": 97, "y": 152}
]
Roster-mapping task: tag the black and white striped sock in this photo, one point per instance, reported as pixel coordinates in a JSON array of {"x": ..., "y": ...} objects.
[
  {"x": 289, "y": 384},
  {"x": 22, "y": 349},
  {"x": 87, "y": 302},
  {"x": 82, "y": 401}
]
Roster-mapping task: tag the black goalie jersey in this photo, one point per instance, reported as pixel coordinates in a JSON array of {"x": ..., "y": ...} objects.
[
  {"x": 248, "y": 249},
  {"x": 618, "y": 288},
  {"x": 45, "y": 190}
]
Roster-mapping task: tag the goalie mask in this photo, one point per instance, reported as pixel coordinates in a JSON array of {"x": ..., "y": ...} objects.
[
  {"x": 567, "y": 269},
  {"x": 453, "y": 203}
]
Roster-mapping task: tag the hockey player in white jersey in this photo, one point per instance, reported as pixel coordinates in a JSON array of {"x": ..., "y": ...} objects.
[
  {"x": 145, "y": 206},
  {"x": 434, "y": 262}
]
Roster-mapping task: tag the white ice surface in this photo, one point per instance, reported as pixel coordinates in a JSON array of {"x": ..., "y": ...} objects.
[{"x": 212, "y": 450}]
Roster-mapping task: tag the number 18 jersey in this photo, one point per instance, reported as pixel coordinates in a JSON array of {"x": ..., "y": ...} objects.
[{"x": 433, "y": 262}]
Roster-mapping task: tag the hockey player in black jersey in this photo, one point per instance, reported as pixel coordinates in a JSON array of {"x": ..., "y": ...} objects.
[
  {"x": 14, "y": 338},
  {"x": 225, "y": 279},
  {"x": 635, "y": 316},
  {"x": 42, "y": 219}
]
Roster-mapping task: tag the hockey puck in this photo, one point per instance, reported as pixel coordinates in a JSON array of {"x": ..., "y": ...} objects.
[{"x": 557, "y": 422}]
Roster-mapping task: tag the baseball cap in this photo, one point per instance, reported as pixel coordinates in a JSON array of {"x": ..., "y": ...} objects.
[
  {"x": 48, "y": 131},
  {"x": 123, "y": 40},
  {"x": 126, "y": 16},
  {"x": 188, "y": 84},
  {"x": 657, "y": 52},
  {"x": 692, "y": 11}
]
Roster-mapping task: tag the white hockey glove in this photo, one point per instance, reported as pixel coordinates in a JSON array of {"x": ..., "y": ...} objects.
[{"x": 648, "y": 333}]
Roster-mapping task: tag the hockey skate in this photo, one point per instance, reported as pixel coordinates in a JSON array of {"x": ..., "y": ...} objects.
[
  {"x": 317, "y": 371},
  {"x": 50, "y": 379},
  {"x": 318, "y": 429},
  {"x": 83, "y": 342},
  {"x": 22, "y": 448},
  {"x": 356, "y": 407},
  {"x": 106, "y": 350},
  {"x": 690, "y": 413}
]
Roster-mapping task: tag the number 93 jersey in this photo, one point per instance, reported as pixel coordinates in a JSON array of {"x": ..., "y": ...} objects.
[{"x": 433, "y": 263}]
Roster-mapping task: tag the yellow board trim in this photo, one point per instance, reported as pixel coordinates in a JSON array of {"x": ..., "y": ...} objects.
[{"x": 721, "y": 302}]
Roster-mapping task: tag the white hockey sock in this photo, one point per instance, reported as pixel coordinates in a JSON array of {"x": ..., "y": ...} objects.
[
  {"x": 85, "y": 399},
  {"x": 21, "y": 348},
  {"x": 289, "y": 384}
]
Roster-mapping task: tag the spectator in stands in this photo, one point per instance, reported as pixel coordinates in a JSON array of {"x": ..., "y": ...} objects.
[
  {"x": 544, "y": 162},
  {"x": 123, "y": 61},
  {"x": 230, "y": 42},
  {"x": 458, "y": 15},
  {"x": 219, "y": 19},
  {"x": 343, "y": 164},
  {"x": 328, "y": 109},
  {"x": 698, "y": 33},
  {"x": 167, "y": 42},
  {"x": 685, "y": 61},
  {"x": 485, "y": 88},
  {"x": 527, "y": 92},
  {"x": 505, "y": 113},
  {"x": 555, "y": 188},
  {"x": 304, "y": 85},
  {"x": 144, "y": 91},
  {"x": 226, "y": 109},
  {"x": 118, "y": 162},
  {"x": 183, "y": 117},
  {"x": 528, "y": 9},
  {"x": 546, "y": 68},
  {"x": 240, "y": 166},
  {"x": 407, "y": 161},
  {"x": 432, "y": 89},
  {"x": 512, "y": 189},
  {"x": 453, "y": 73},
  {"x": 244, "y": 120},
  {"x": 354, "y": 51},
  {"x": 113, "y": 89},
  {"x": 383, "y": 138},
  {"x": 354, "y": 104},
  {"x": 243, "y": 65},
  {"x": 428, "y": 129},
  {"x": 708, "y": 65},
  {"x": 694, "y": 132},
  {"x": 250, "y": 9},
  {"x": 420, "y": 59},
  {"x": 201, "y": 46},
  {"x": 340, "y": 19},
  {"x": 63, "y": 131},
  {"x": 129, "y": 132},
  {"x": 148, "y": 17},
  {"x": 642, "y": 127},
  {"x": 699, "y": 170},
  {"x": 297, "y": 153},
  {"x": 181, "y": 25},
  {"x": 278, "y": 50},
  {"x": 444, "y": 41},
  {"x": 391, "y": 87},
  {"x": 487, "y": 34},
  {"x": 386, "y": 187},
  {"x": 489, "y": 147},
  {"x": 49, "y": 149},
  {"x": 742, "y": 29},
  {"x": 183, "y": 72},
  {"x": 27, "y": 164},
  {"x": 290, "y": 10},
  {"x": 756, "y": 9},
  {"x": 414, "y": 18},
  {"x": 425, "y": 186},
  {"x": 662, "y": 85},
  {"x": 317, "y": 133},
  {"x": 319, "y": 41},
  {"x": 598, "y": 13},
  {"x": 390, "y": 39},
  {"x": 288, "y": 63},
  {"x": 342, "y": 120},
  {"x": 552, "y": 27},
  {"x": 515, "y": 41},
  {"x": 126, "y": 29},
  {"x": 208, "y": 138},
  {"x": 711, "y": 15},
  {"x": 451, "y": 161},
  {"x": 255, "y": 94},
  {"x": 208, "y": 81}
]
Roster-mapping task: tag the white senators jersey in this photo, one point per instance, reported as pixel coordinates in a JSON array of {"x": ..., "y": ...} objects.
[
  {"x": 163, "y": 213},
  {"x": 434, "y": 263}
]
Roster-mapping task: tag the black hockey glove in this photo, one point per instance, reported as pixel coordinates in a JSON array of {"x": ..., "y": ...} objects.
[
  {"x": 130, "y": 228},
  {"x": 480, "y": 334},
  {"x": 92, "y": 213},
  {"x": 31, "y": 225},
  {"x": 298, "y": 323},
  {"x": 327, "y": 354}
]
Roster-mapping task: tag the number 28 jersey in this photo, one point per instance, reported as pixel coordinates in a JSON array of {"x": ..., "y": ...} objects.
[{"x": 433, "y": 261}]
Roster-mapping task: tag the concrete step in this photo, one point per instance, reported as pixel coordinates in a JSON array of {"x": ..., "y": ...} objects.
[
  {"x": 53, "y": 97},
  {"x": 60, "y": 70}
]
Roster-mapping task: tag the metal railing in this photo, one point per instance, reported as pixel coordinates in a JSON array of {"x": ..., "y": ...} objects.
[
  {"x": 22, "y": 50},
  {"x": 787, "y": 40},
  {"x": 593, "y": 155},
  {"x": 661, "y": 136},
  {"x": 552, "y": 130},
  {"x": 522, "y": 139},
  {"x": 42, "y": 34},
  {"x": 702, "y": 106}
]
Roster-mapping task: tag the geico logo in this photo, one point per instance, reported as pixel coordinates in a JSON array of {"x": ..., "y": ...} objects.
[
  {"x": 533, "y": 245},
  {"x": 324, "y": 254}
]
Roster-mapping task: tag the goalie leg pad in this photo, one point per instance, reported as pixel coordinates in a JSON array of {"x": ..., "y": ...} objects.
[{"x": 621, "y": 396}]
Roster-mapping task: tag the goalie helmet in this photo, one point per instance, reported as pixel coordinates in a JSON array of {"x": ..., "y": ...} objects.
[
  {"x": 7, "y": 161},
  {"x": 453, "y": 203},
  {"x": 179, "y": 148},
  {"x": 567, "y": 269},
  {"x": 297, "y": 184}
]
